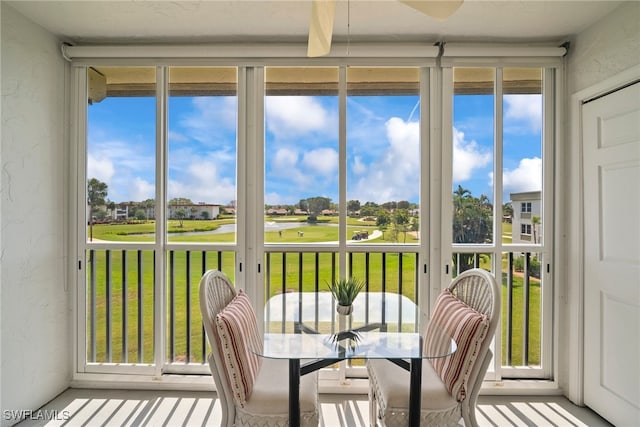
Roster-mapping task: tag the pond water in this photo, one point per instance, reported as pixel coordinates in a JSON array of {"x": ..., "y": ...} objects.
[{"x": 268, "y": 226}]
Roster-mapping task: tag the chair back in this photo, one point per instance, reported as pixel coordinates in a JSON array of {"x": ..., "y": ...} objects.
[
  {"x": 478, "y": 289},
  {"x": 216, "y": 292}
]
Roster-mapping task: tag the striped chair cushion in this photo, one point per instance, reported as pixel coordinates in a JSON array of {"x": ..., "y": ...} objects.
[
  {"x": 468, "y": 328},
  {"x": 239, "y": 340}
]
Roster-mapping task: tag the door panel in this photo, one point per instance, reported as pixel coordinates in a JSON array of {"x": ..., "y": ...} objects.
[{"x": 611, "y": 131}]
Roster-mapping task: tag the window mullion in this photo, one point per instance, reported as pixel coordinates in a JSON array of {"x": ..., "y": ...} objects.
[
  {"x": 497, "y": 208},
  {"x": 342, "y": 165},
  {"x": 78, "y": 175},
  {"x": 446, "y": 174},
  {"x": 160, "y": 257},
  {"x": 250, "y": 225},
  {"x": 548, "y": 142},
  {"x": 430, "y": 113}
]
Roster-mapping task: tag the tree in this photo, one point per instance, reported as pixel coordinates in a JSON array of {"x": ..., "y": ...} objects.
[
  {"x": 383, "y": 219},
  {"x": 535, "y": 223},
  {"x": 404, "y": 204},
  {"x": 415, "y": 223},
  {"x": 96, "y": 196},
  {"x": 317, "y": 204},
  {"x": 96, "y": 192},
  {"x": 141, "y": 215},
  {"x": 389, "y": 205},
  {"x": 180, "y": 201},
  {"x": 507, "y": 210},
  {"x": 401, "y": 222},
  {"x": 472, "y": 222},
  {"x": 369, "y": 209},
  {"x": 180, "y": 215},
  {"x": 353, "y": 206}
]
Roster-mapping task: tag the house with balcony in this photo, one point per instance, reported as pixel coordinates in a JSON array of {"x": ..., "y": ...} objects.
[{"x": 568, "y": 71}]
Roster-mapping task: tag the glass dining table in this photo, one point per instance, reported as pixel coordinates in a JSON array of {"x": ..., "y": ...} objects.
[{"x": 305, "y": 329}]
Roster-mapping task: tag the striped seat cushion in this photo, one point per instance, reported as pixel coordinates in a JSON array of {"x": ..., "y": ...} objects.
[
  {"x": 468, "y": 328},
  {"x": 239, "y": 341}
]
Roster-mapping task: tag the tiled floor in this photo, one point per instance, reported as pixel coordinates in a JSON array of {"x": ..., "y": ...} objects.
[{"x": 82, "y": 407}]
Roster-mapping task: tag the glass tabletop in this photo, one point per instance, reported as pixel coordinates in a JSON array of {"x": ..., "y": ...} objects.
[
  {"x": 318, "y": 310},
  {"x": 382, "y": 325}
]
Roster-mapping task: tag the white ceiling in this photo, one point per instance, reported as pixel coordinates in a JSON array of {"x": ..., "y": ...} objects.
[{"x": 89, "y": 22}]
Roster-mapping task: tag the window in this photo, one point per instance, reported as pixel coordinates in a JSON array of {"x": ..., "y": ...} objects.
[
  {"x": 497, "y": 162},
  {"x": 285, "y": 177},
  {"x": 153, "y": 227}
]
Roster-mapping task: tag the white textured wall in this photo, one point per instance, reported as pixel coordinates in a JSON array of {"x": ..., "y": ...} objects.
[
  {"x": 606, "y": 48},
  {"x": 35, "y": 316}
]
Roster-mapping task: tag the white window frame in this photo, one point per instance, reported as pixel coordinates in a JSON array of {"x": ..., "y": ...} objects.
[
  {"x": 551, "y": 81},
  {"x": 435, "y": 92}
]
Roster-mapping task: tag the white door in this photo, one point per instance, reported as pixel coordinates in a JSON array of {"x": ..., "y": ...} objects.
[{"x": 611, "y": 137}]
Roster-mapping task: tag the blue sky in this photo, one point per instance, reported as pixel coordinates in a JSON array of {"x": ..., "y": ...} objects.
[{"x": 301, "y": 158}]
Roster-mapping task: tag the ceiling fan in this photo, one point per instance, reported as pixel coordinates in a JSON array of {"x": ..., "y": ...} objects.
[{"x": 323, "y": 14}]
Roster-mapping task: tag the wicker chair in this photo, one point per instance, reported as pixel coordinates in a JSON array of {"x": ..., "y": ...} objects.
[
  {"x": 444, "y": 400},
  {"x": 267, "y": 403}
]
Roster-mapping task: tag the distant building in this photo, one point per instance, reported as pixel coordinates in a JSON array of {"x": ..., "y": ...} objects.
[
  {"x": 277, "y": 211},
  {"x": 195, "y": 211},
  {"x": 121, "y": 213},
  {"x": 526, "y": 206}
]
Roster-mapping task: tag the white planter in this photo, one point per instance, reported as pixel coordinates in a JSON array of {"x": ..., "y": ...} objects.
[{"x": 344, "y": 309}]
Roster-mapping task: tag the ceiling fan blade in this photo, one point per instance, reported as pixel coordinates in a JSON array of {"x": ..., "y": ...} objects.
[
  {"x": 437, "y": 9},
  {"x": 321, "y": 27}
]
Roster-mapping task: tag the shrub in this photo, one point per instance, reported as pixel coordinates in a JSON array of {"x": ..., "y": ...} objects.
[{"x": 534, "y": 265}]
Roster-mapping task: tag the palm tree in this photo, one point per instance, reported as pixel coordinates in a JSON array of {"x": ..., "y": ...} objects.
[
  {"x": 472, "y": 222},
  {"x": 535, "y": 222}
]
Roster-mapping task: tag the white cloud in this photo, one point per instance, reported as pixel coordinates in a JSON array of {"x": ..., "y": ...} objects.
[
  {"x": 394, "y": 175},
  {"x": 467, "y": 156},
  {"x": 279, "y": 199},
  {"x": 177, "y": 137},
  {"x": 118, "y": 162},
  {"x": 526, "y": 177},
  {"x": 201, "y": 182},
  {"x": 295, "y": 115},
  {"x": 323, "y": 161},
  {"x": 358, "y": 167},
  {"x": 285, "y": 158},
  {"x": 523, "y": 110},
  {"x": 211, "y": 119},
  {"x": 100, "y": 167},
  {"x": 142, "y": 190}
]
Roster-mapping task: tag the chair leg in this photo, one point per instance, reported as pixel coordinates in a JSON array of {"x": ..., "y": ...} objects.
[{"x": 373, "y": 416}]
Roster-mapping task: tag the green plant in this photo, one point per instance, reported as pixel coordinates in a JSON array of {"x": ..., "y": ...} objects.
[
  {"x": 346, "y": 290},
  {"x": 534, "y": 265}
]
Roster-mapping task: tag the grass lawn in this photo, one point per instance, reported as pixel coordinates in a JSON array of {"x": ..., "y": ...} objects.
[{"x": 182, "y": 291}]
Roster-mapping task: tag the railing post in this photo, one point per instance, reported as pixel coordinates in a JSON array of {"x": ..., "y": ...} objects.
[
  {"x": 172, "y": 307},
  {"x": 525, "y": 316},
  {"x": 509, "y": 316},
  {"x": 140, "y": 309},
  {"x": 108, "y": 277},
  {"x": 188, "y": 305},
  {"x": 92, "y": 263},
  {"x": 204, "y": 336},
  {"x": 125, "y": 344}
]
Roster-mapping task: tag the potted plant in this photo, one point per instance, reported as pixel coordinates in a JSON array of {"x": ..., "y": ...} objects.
[{"x": 345, "y": 291}]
